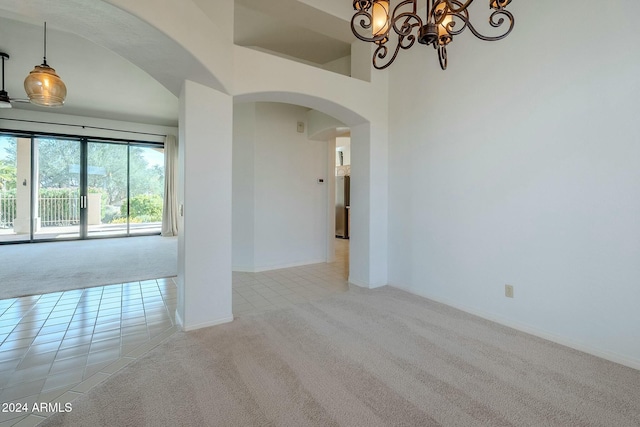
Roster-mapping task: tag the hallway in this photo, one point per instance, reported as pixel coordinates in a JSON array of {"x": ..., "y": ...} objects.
[{"x": 258, "y": 292}]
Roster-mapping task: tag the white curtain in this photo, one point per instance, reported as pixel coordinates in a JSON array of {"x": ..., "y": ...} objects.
[{"x": 170, "y": 208}]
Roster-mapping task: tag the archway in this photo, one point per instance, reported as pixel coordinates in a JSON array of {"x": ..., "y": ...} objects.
[{"x": 368, "y": 257}]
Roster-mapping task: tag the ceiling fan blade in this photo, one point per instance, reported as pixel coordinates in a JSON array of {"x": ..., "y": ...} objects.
[{"x": 5, "y": 102}]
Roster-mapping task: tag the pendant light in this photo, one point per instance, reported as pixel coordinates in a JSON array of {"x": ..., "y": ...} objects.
[{"x": 43, "y": 86}]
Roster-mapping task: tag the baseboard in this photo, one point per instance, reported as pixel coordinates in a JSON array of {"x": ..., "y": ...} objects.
[
  {"x": 208, "y": 324},
  {"x": 364, "y": 285},
  {"x": 180, "y": 323},
  {"x": 240, "y": 269},
  {"x": 276, "y": 267},
  {"x": 523, "y": 327}
]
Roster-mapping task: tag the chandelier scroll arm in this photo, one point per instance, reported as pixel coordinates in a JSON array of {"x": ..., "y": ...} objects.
[
  {"x": 366, "y": 22},
  {"x": 405, "y": 41},
  {"x": 495, "y": 20},
  {"x": 381, "y": 53},
  {"x": 461, "y": 6},
  {"x": 442, "y": 57}
]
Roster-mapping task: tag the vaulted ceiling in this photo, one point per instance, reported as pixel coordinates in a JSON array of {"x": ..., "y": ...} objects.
[
  {"x": 99, "y": 82},
  {"x": 103, "y": 83}
]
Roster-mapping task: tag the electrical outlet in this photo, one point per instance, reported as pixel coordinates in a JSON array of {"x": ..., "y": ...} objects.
[{"x": 508, "y": 291}]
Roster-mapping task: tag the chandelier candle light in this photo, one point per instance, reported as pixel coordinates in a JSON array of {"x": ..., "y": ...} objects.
[
  {"x": 43, "y": 86},
  {"x": 374, "y": 22}
]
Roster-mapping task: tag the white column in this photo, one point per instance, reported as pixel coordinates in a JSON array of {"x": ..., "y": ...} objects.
[
  {"x": 369, "y": 208},
  {"x": 204, "y": 242}
]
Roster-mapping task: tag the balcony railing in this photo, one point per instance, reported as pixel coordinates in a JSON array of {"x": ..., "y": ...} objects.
[
  {"x": 7, "y": 210},
  {"x": 59, "y": 211},
  {"x": 53, "y": 211}
]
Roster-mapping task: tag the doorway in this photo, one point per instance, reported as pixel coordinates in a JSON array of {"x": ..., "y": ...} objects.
[{"x": 61, "y": 188}]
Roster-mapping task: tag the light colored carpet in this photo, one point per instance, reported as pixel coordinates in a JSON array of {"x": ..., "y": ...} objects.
[
  {"x": 36, "y": 268},
  {"x": 363, "y": 358}
]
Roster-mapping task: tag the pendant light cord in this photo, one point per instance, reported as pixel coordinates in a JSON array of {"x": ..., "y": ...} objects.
[{"x": 45, "y": 44}]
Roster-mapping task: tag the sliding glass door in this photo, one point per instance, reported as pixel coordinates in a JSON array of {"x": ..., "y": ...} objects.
[
  {"x": 107, "y": 189},
  {"x": 64, "y": 188},
  {"x": 125, "y": 189},
  {"x": 57, "y": 205},
  {"x": 147, "y": 189},
  {"x": 15, "y": 189}
]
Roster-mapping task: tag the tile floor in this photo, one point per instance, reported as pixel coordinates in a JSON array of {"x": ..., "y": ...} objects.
[
  {"x": 54, "y": 347},
  {"x": 257, "y": 292}
]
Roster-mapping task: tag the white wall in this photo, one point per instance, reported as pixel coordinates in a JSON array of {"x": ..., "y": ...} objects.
[
  {"x": 276, "y": 196},
  {"x": 519, "y": 165},
  {"x": 340, "y": 66},
  {"x": 361, "y": 56},
  {"x": 322, "y": 127},
  {"x": 46, "y": 122}
]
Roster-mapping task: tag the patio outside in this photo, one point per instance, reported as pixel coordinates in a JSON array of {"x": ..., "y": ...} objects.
[
  {"x": 41, "y": 182},
  {"x": 60, "y": 219}
]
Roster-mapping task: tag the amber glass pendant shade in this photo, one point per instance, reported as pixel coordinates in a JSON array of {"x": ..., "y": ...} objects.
[{"x": 44, "y": 87}]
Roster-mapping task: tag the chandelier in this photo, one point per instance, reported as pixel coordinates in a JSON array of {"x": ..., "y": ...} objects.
[{"x": 374, "y": 22}]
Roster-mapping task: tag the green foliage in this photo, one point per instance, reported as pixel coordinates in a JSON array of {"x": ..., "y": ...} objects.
[
  {"x": 7, "y": 175},
  {"x": 112, "y": 214},
  {"x": 124, "y": 221},
  {"x": 108, "y": 170},
  {"x": 147, "y": 208},
  {"x": 59, "y": 193}
]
